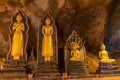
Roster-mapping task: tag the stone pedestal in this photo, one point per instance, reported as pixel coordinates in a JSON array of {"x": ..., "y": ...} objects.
[
  {"x": 108, "y": 69},
  {"x": 13, "y": 69},
  {"x": 77, "y": 70},
  {"x": 47, "y": 70}
]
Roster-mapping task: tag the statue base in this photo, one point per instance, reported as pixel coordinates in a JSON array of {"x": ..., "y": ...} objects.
[
  {"x": 77, "y": 69},
  {"x": 47, "y": 71},
  {"x": 13, "y": 69},
  {"x": 108, "y": 69}
]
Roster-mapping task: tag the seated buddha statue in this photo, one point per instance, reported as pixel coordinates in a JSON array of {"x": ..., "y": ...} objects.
[
  {"x": 103, "y": 55},
  {"x": 75, "y": 52}
]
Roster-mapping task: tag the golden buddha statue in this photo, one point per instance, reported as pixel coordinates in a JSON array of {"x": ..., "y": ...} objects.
[
  {"x": 17, "y": 41},
  {"x": 47, "y": 44},
  {"x": 103, "y": 54},
  {"x": 75, "y": 53}
]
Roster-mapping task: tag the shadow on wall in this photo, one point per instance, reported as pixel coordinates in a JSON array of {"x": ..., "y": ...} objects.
[{"x": 32, "y": 41}]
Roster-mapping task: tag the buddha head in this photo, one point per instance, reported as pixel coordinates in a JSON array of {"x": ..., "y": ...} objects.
[
  {"x": 102, "y": 47},
  {"x": 47, "y": 21},
  {"x": 74, "y": 45},
  {"x": 19, "y": 18}
]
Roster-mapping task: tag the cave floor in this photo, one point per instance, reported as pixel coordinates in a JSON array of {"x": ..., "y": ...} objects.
[{"x": 102, "y": 78}]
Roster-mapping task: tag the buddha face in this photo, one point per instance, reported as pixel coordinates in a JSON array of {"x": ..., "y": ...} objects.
[
  {"x": 19, "y": 18},
  {"x": 47, "y": 21}
]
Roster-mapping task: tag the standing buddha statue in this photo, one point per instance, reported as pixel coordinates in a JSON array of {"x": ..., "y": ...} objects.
[
  {"x": 18, "y": 39},
  {"x": 47, "y": 42}
]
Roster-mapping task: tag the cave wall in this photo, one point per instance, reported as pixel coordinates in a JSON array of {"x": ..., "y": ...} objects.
[{"x": 95, "y": 21}]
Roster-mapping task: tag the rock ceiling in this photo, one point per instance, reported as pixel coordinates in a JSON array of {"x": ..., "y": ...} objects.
[{"x": 96, "y": 21}]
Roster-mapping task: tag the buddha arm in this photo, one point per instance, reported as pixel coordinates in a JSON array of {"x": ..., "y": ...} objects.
[
  {"x": 22, "y": 27},
  {"x": 78, "y": 53},
  {"x": 106, "y": 55},
  {"x": 51, "y": 30},
  {"x": 100, "y": 55},
  {"x": 14, "y": 26},
  {"x": 71, "y": 53},
  {"x": 43, "y": 31}
]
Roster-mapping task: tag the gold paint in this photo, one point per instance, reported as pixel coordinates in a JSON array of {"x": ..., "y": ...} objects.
[
  {"x": 17, "y": 42},
  {"x": 103, "y": 54},
  {"x": 47, "y": 44},
  {"x": 75, "y": 53}
]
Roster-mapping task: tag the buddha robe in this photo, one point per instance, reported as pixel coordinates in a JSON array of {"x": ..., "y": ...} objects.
[
  {"x": 47, "y": 44},
  {"x": 17, "y": 41}
]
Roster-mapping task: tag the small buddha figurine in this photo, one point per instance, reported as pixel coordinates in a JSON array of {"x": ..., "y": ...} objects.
[
  {"x": 75, "y": 53},
  {"x": 18, "y": 39},
  {"x": 103, "y": 54},
  {"x": 47, "y": 42}
]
